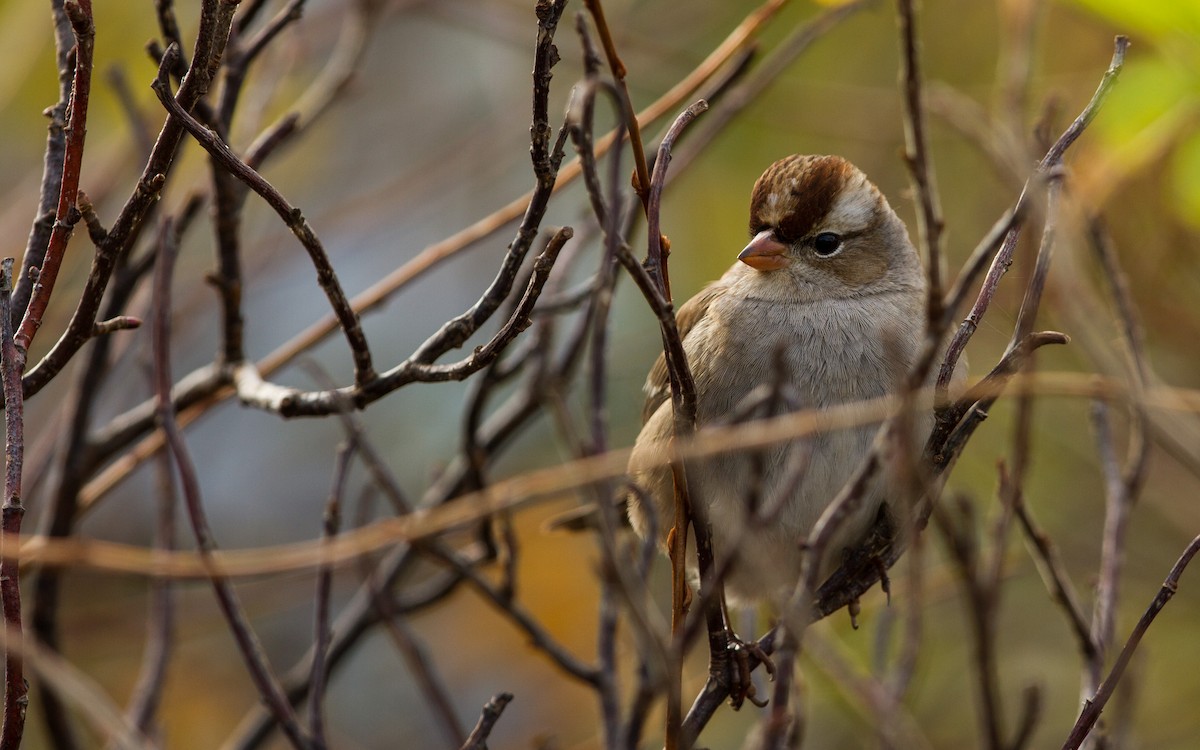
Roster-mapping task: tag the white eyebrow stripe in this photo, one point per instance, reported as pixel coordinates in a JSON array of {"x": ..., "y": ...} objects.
[{"x": 855, "y": 206}]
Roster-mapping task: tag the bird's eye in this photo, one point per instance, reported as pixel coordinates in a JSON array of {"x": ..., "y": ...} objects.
[{"x": 826, "y": 243}]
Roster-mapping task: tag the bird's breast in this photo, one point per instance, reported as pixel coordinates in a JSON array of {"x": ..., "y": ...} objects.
[{"x": 824, "y": 352}]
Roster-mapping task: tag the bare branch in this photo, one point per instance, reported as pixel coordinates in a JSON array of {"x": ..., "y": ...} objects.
[
  {"x": 1093, "y": 707},
  {"x": 251, "y": 649},
  {"x": 12, "y": 361},
  {"x": 66, "y": 215},
  {"x": 215, "y": 19},
  {"x": 491, "y": 714},
  {"x": 919, "y": 160},
  {"x": 292, "y": 217},
  {"x": 1003, "y": 258}
]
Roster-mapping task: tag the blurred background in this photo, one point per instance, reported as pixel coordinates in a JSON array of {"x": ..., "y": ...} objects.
[{"x": 433, "y": 134}]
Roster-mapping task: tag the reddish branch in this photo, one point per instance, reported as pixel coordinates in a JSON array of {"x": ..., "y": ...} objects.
[
  {"x": 66, "y": 215},
  {"x": 683, "y": 401},
  {"x": 215, "y": 19},
  {"x": 43, "y": 223},
  {"x": 642, "y": 172}
]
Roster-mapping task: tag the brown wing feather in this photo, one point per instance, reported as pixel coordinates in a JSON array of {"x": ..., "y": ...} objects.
[{"x": 657, "y": 387}]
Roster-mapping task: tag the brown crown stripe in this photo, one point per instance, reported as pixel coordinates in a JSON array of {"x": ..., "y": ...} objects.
[{"x": 807, "y": 187}]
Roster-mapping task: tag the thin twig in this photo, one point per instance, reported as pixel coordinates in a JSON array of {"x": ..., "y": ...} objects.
[
  {"x": 1003, "y": 258},
  {"x": 215, "y": 19},
  {"x": 642, "y": 171},
  {"x": 683, "y": 400},
  {"x": 334, "y": 79},
  {"x": 920, "y": 162},
  {"x": 321, "y": 630},
  {"x": 80, "y": 692},
  {"x": 292, "y": 403},
  {"x": 147, "y": 692},
  {"x": 1122, "y": 484},
  {"x": 540, "y": 485},
  {"x": 293, "y": 218},
  {"x": 251, "y": 649},
  {"x": 487, "y": 721},
  {"x": 1053, "y": 572},
  {"x": 1093, "y": 707},
  {"x": 497, "y": 432},
  {"x": 422, "y": 669},
  {"x": 52, "y": 164},
  {"x": 80, "y": 13},
  {"x": 12, "y": 361}
]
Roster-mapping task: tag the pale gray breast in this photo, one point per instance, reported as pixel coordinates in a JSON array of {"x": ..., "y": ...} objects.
[
  {"x": 832, "y": 358},
  {"x": 835, "y": 350}
]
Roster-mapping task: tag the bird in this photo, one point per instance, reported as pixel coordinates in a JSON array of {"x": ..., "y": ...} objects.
[{"x": 824, "y": 306}]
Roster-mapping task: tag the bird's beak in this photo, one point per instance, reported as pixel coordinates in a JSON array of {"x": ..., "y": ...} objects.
[{"x": 765, "y": 252}]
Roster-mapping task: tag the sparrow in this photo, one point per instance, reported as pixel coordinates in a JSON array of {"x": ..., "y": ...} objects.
[{"x": 824, "y": 306}]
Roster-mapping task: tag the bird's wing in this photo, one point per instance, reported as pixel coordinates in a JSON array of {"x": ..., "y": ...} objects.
[{"x": 658, "y": 387}]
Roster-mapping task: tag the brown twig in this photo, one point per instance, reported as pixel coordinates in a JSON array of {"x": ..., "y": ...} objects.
[
  {"x": 1057, "y": 581},
  {"x": 147, "y": 692},
  {"x": 421, "y": 667},
  {"x": 251, "y": 649},
  {"x": 973, "y": 406},
  {"x": 80, "y": 692},
  {"x": 1118, "y": 503},
  {"x": 78, "y": 457},
  {"x": 322, "y": 634},
  {"x": 1093, "y": 707},
  {"x": 65, "y": 216},
  {"x": 920, "y": 162},
  {"x": 240, "y": 57},
  {"x": 654, "y": 276},
  {"x": 1122, "y": 484},
  {"x": 215, "y": 19},
  {"x": 52, "y": 165},
  {"x": 364, "y": 371},
  {"x": 420, "y": 367},
  {"x": 758, "y": 79},
  {"x": 487, "y": 721},
  {"x": 291, "y": 403},
  {"x": 493, "y": 435},
  {"x": 874, "y": 702},
  {"x": 142, "y": 138},
  {"x": 12, "y": 362},
  {"x": 540, "y": 485},
  {"x": 168, "y": 26},
  {"x": 642, "y": 172},
  {"x": 1003, "y": 258},
  {"x": 344, "y": 62},
  {"x": 609, "y": 215}
]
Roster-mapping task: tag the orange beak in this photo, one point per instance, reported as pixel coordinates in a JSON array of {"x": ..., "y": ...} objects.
[{"x": 765, "y": 252}]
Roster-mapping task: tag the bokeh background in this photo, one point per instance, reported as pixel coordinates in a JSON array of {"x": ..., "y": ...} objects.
[{"x": 432, "y": 135}]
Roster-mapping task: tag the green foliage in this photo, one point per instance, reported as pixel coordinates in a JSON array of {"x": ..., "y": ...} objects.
[
  {"x": 1153, "y": 110},
  {"x": 1150, "y": 18}
]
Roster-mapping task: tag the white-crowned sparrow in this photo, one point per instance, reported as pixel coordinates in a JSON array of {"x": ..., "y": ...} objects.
[{"x": 831, "y": 281}]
